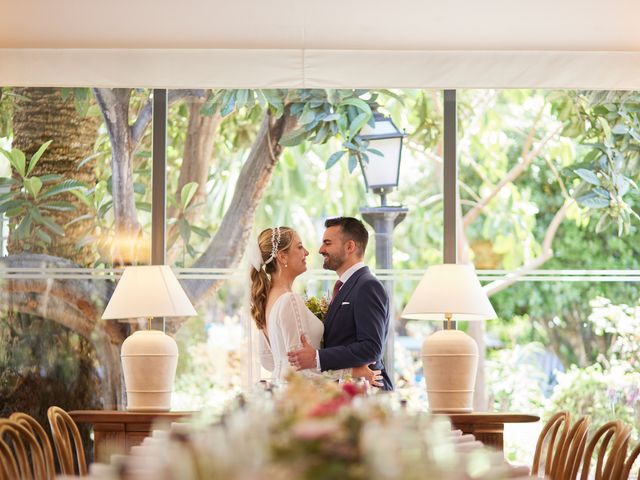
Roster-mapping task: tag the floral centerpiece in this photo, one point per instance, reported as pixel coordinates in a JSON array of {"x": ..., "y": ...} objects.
[{"x": 315, "y": 429}]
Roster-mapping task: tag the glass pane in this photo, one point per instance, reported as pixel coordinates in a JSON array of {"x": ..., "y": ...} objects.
[{"x": 74, "y": 203}]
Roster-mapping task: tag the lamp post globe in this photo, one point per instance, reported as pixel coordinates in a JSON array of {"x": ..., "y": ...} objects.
[{"x": 381, "y": 165}]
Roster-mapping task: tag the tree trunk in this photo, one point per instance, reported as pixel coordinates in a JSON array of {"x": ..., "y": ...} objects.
[
  {"x": 114, "y": 104},
  {"x": 228, "y": 244},
  {"x": 197, "y": 160},
  {"x": 40, "y": 114}
]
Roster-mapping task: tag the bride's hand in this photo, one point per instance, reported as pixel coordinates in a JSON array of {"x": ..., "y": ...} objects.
[{"x": 374, "y": 377}]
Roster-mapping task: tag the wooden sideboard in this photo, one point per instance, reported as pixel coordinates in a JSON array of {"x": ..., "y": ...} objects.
[
  {"x": 488, "y": 427},
  {"x": 115, "y": 432}
]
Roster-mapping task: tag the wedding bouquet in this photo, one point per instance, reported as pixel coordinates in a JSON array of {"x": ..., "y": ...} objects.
[{"x": 318, "y": 306}]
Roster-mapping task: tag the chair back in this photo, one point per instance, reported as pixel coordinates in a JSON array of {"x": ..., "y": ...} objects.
[
  {"x": 64, "y": 430},
  {"x": 612, "y": 467},
  {"x": 628, "y": 464},
  {"x": 24, "y": 458},
  {"x": 31, "y": 424},
  {"x": 572, "y": 451},
  {"x": 553, "y": 435}
]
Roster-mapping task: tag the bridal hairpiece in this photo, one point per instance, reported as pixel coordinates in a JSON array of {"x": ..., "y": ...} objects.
[{"x": 255, "y": 255}]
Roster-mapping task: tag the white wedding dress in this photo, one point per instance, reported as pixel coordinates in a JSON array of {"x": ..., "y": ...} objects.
[{"x": 288, "y": 319}]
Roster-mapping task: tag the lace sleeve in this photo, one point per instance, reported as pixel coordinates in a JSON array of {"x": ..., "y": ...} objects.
[
  {"x": 264, "y": 349},
  {"x": 293, "y": 329}
]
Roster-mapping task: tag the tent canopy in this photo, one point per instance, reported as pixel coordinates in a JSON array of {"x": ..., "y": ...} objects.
[{"x": 300, "y": 43}]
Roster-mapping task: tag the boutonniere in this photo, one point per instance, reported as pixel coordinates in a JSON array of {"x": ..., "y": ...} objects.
[{"x": 318, "y": 306}]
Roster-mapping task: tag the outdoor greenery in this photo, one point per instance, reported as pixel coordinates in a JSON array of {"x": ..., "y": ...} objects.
[{"x": 548, "y": 180}]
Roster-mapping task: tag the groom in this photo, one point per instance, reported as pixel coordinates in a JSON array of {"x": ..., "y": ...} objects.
[{"x": 357, "y": 323}]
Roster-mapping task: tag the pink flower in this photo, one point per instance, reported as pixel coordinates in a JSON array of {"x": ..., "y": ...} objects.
[
  {"x": 330, "y": 407},
  {"x": 314, "y": 429}
]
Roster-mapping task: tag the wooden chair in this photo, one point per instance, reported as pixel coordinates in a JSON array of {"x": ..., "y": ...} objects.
[
  {"x": 628, "y": 464},
  {"x": 572, "y": 451},
  {"x": 8, "y": 465},
  {"x": 36, "y": 429},
  {"x": 554, "y": 434},
  {"x": 63, "y": 429},
  {"x": 23, "y": 456},
  {"x": 613, "y": 466}
]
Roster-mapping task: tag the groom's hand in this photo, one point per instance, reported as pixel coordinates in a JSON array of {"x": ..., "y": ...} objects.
[{"x": 305, "y": 357}]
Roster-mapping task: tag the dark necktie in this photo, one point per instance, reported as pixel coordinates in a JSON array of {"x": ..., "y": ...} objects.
[{"x": 336, "y": 289}]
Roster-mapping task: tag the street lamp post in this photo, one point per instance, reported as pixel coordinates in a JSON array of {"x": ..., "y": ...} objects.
[{"x": 381, "y": 175}]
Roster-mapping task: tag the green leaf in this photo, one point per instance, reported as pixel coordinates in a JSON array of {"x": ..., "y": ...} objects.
[
  {"x": 33, "y": 185},
  {"x": 86, "y": 160},
  {"x": 603, "y": 223},
  {"x": 53, "y": 226},
  {"x": 228, "y": 106},
  {"x": 185, "y": 230},
  {"x": 293, "y": 138},
  {"x": 588, "y": 176},
  {"x": 187, "y": 193},
  {"x": 81, "y": 218},
  {"x": 591, "y": 200},
  {"x": 59, "y": 206},
  {"x": 44, "y": 236},
  {"x": 353, "y": 163},
  {"x": 24, "y": 228},
  {"x": 143, "y": 206},
  {"x": 65, "y": 186},
  {"x": 14, "y": 212},
  {"x": 17, "y": 160},
  {"x": 334, "y": 158},
  {"x": 331, "y": 117},
  {"x": 36, "y": 156},
  {"x": 375, "y": 151},
  {"x": 139, "y": 188},
  {"x": 12, "y": 204},
  {"x": 359, "y": 104},
  {"x": 620, "y": 129},
  {"x": 50, "y": 177},
  {"x": 7, "y": 181},
  {"x": 358, "y": 123},
  {"x": 241, "y": 98},
  {"x": 200, "y": 231}
]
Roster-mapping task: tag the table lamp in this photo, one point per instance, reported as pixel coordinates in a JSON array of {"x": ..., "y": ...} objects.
[
  {"x": 149, "y": 357},
  {"x": 449, "y": 292}
]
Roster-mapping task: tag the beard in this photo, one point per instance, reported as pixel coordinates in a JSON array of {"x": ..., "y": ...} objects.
[{"x": 333, "y": 262}]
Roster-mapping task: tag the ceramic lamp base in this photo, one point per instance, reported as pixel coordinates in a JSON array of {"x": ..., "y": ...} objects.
[
  {"x": 149, "y": 361},
  {"x": 450, "y": 364}
]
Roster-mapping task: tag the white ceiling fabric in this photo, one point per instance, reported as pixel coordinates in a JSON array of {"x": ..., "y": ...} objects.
[{"x": 333, "y": 43}]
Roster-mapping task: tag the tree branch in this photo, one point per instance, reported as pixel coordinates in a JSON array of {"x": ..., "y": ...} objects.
[
  {"x": 546, "y": 254},
  {"x": 229, "y": 242},
  {"x": 146, "y": 112},
  {"x": 514, "y": 173}
]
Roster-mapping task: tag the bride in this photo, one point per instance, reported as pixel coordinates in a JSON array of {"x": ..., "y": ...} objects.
[{"x": 281, "y": 315}]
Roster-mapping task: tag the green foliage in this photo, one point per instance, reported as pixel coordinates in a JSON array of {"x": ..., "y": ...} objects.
[
  {"x": 506, "y": 369},
  {"x": 609, "y": 170},
  {"x": 31, "y": 199},
  {"x": 320, "y": 114},
  {"x": 605, "y": 394}
]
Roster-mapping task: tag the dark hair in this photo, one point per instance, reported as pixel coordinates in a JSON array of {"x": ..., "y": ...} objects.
[{"x": 352, "y": 229}]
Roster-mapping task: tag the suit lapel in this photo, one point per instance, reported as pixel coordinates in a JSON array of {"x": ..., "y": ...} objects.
[{"x": 334, "y": 308}]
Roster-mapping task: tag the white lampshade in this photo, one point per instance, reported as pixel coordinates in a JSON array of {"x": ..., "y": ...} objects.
[
  {"x": 449, "y": 289},
  {"x": 148, "y": 291},
  {"x": 149, "y": 357},
  {"x": 449, "y": 357}
]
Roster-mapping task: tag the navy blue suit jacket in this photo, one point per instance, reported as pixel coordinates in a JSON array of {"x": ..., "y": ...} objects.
[{"x": 356, "y": 326}]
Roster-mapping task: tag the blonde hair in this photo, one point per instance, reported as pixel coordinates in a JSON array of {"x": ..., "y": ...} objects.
[{"x": 268, "y": 242}]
